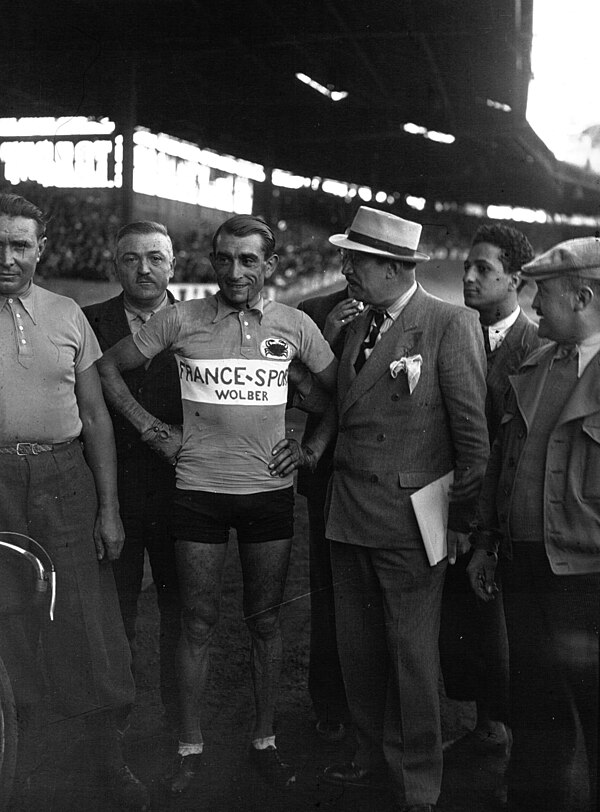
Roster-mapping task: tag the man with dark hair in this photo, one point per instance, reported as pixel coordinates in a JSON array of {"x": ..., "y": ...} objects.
[
  {"x": 233, "y": 351},
  {"x": 144, "y": 265},
  {"x": 540, "y": 509},
  {"x": 473, "y": 643},
  {"x": 58, "y": 484},
  {"x": 491, "y": 284}
]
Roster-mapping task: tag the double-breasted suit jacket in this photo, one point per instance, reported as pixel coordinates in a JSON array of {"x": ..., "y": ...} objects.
[
  {"x": 387, "y": 597},
  {"x": 390, "y": 442}
]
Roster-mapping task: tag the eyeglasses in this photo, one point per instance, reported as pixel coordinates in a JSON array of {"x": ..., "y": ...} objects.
[{"x": 346, "y": 256}]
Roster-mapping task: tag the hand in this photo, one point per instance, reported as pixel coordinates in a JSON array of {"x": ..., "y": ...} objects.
[
  {"x": 342, "y": 314},
  {"x": 166, "y": 440},
  {"x": 289, "y": 455},
  {"x": 458, "y": 544},
  {"x": 481, "y": 571},
  {"x": 109, "y": 535}
]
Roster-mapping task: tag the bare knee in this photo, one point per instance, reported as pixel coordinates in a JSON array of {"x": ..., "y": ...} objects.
[
  {"x": 263, "y": 625},
  {"x": 198, "y": 624}
]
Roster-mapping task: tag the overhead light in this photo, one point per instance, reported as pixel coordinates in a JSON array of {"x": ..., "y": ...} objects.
[
  {"x": 334, "y": 95},
  {"x": 496, "y": 105},
  {"x": 432, "y": 135},
  {"x": 417, "y": 203}
]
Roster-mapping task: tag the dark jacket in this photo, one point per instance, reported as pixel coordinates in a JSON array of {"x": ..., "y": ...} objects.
[
  {"x": 318, "y": 308},
  {"x": 143, "y": 478},
  {"x": 520, "y": 341}
]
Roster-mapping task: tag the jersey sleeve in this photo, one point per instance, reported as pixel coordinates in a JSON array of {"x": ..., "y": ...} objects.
[
  {"x": 88, "y": 350},
  {"x": 314, "y": 351},
  {"x": 159, "y": 333}
]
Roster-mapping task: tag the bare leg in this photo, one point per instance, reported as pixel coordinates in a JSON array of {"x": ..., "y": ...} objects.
[
  {"x": 200, "y": 571},
  {"x": 264, "y": 569}
]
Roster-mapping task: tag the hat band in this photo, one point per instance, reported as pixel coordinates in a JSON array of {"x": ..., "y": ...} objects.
[{"x": 374, "y": 242}]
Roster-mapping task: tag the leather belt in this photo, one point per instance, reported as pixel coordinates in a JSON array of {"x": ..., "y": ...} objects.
[{"x": 24, "y": 449}]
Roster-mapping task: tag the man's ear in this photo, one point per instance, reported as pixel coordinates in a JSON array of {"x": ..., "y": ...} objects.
[
  {"x": 392, "y": 268},
  {"x": 173, "y": 264},
  {"x": 211, "y": 257},
  {"x": 41, "y": 245},
  {"x": 515, "y": 280},
  {"x": 272, "y": 263},
  {"x": 583, "y": 297}
]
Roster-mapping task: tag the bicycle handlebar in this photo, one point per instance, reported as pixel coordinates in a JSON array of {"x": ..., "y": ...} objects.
[{"x": 44, "y": 575}]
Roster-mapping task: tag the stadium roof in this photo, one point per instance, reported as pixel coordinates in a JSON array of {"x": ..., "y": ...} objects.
[{"x": 223, "y": 74}]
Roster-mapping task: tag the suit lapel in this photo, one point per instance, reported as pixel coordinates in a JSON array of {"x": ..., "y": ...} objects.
[
  {"x": 113, "y": 324},
  {"x": 396, "y": 342},
  {"x": 528, "y": 384},
  {"x": 585, "y": 397}
]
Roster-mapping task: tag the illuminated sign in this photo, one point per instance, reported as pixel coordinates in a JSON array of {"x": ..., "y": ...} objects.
[
  {"x": 55, "y": 127},
  {"x": 66, "y": 164},
  {"x": 36, "y": 149},
  {"x": 177, "y": 170}
]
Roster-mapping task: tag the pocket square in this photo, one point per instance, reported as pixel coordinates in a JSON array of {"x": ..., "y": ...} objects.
[{"x": 412, "y": 367}]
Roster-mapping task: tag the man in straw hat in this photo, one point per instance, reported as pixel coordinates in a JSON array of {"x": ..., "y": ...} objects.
[
  {"x": 411, "y": 408},
  {"x": 540, "y": 507}
]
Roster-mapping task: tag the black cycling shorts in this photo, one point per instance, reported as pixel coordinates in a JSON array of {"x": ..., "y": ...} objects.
[{"x": 207, "y": 517}]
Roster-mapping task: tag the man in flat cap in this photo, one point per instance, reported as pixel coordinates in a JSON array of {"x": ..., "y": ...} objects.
[
  {"x": 411, "y": 408},
  {"x": 540, "y": 509}
]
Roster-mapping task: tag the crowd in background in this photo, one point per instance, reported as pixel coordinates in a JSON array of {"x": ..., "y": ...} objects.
[{"x": 83, "y": 227}]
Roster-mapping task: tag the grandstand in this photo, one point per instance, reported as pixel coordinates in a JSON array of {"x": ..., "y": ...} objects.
[{"x": 167, "y": 110}]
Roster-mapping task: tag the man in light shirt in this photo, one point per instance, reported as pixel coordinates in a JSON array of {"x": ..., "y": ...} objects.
[{"x": 58, "y": 484}]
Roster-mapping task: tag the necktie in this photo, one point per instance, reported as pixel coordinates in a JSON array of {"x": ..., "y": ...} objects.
[
  {"x": 370, "y": 340},
  {"x": 486, "y": 339}
]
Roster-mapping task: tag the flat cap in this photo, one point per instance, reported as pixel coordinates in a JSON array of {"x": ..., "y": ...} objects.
[{"x": 570, "y": 257}]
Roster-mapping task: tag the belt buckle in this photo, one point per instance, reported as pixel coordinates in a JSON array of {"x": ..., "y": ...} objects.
[{"x": 25, "y": 448}]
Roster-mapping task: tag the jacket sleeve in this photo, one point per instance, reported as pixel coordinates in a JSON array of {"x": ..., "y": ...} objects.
[
  {"x": 461, "y": 370},
  {"x": 486, "y": 533}
]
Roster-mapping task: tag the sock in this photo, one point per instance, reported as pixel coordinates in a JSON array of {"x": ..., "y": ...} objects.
[
  {"x": 187, "y": 749},
  {"x": 262, "y": 744}
]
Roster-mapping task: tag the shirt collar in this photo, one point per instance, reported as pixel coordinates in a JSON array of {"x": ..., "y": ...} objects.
[
  {"x": 144, "y": 315},
  {"x": 27, "y": 299},
  {"x": 587, "y": 349},
  {"x": 224, "y": 309},
  {"x": 394, "y": 310},
  {"x": 505, "y": 324}
]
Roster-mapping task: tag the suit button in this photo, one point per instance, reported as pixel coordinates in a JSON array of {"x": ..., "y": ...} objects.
[
  {"x": 395, "y": 396},
  {"x": 380, "y": 438},
  {"x": 374, "y": 478}
]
